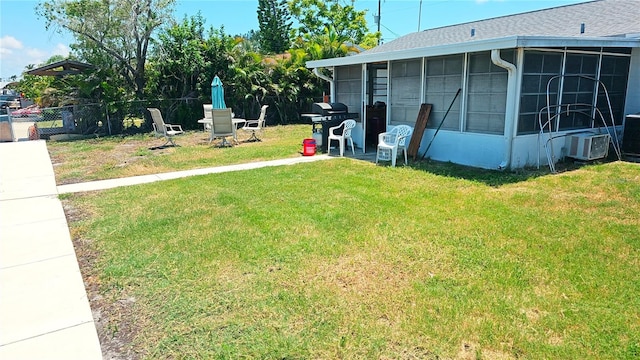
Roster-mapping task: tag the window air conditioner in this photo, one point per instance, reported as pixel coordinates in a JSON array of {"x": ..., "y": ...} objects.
[{"x": 587, "y": 146}]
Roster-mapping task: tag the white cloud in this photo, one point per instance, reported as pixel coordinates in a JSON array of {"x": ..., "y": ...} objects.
[
  {"x": 34, "y": 54},
  {"x": 9, "y": 42},
  {"x": 15, "y": 56},
  {"x": 61, "y": 49},
  {"x": 8, "y": 45}
]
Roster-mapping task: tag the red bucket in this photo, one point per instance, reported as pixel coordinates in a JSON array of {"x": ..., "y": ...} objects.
[{"x": 309, "y": 147}]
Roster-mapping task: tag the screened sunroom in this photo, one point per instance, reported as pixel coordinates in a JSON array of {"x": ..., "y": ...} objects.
[{"x": 504, "y": 91}]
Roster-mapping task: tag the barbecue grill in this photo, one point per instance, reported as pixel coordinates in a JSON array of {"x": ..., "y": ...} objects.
[{"x": 325, "y": 115}]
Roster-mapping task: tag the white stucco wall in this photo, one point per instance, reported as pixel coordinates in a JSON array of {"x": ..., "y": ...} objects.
[
  {"x": 530, "y": 151},
  {"x": 479, "y": 150}
]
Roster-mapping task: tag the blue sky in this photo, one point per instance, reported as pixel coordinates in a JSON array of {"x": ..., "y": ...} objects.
[{"x": 24, "y": 39}]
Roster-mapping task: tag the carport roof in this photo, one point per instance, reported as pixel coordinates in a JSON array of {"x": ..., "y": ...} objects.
[{"x": 61, "y": 68}]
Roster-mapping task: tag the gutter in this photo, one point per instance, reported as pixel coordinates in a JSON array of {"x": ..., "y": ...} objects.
[
  {"x": 328, "y": 79},
  {"x": 509, "y": 127}
]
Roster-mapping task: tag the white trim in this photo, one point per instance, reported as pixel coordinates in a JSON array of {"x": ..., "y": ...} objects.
[
  {"x": 477, "y": 46},
  {"x": 423, "y": 80},
  {"x": 364, "y": 76},
  {"x": 464, "y": 93}
]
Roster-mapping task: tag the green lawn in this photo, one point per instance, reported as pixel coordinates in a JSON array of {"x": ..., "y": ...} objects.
[{"x": 346, "y": 259}]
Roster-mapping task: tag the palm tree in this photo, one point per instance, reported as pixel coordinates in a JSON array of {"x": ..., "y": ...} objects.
[{"x": 329, "y": 44}]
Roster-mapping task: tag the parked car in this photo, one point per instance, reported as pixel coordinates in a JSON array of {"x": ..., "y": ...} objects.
[
  {"x": 31, "y": 110},
  {"x": 9, "y": 101}
]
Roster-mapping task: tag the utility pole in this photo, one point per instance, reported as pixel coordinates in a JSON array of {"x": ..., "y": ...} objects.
[
  {"x": 419, "y": 15},
  {"x": 377, "y": 18}
]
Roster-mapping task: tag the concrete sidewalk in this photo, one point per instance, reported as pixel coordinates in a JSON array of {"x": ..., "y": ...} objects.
[
  {"x": 143, "y": 179},
  {"x": 44, "y": 309}
]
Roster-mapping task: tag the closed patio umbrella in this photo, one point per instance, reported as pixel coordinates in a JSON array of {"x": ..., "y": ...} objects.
[{"x": 217, "y": 94}]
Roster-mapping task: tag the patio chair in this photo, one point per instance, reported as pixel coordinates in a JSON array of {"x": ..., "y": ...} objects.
[
  {"x": 207, "y": 116},
  {"x": 221, "y": 126},
  {"x": 341, "y": 137},
  {"x": 162, "y": 129},
  {"x": 255, "y": 126},
  {"x": 389, "y": 143}
]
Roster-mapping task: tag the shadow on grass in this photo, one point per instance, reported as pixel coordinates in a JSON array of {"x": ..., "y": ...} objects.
[
  {"x": 497, "y": 178},
  {"x": 488, "y": 177},
  {"x": 161, "y": 147}
]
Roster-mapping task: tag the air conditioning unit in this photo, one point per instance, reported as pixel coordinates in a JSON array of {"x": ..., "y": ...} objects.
[{"x": 588, "y": 146}]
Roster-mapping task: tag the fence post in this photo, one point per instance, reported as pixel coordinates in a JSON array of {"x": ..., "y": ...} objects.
[{"x": 106, "y": 109}]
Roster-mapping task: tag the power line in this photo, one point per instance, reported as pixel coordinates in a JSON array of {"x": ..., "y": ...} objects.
[{"x": 391, "y": 31}]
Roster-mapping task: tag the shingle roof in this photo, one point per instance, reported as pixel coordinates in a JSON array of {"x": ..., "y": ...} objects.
[{"x": 601, "y": 18}]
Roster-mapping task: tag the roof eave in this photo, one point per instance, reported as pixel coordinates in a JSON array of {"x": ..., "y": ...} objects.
[
  {"x": 508, "y": 42},
  {"x": 61, "y": 68}
]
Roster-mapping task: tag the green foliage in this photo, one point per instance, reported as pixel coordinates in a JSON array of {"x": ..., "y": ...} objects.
[
  {"x": 275, "y": 25},
  {"x": 224, "y": 55},
  {"x": 328, "y": 44},
  {"x": 111, "y": 34},
  {"x": 33, "y": 87},
  {"x": 179, "y": 60},
  {"x": 136, "y": 59},
  {"x": 315, "y": 16},
  {"x": 292, "y": 86}
]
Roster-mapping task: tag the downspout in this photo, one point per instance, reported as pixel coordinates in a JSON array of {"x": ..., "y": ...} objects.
[
  {"x": 509, "y": 126},
  {"x": 326, "y": 78}
]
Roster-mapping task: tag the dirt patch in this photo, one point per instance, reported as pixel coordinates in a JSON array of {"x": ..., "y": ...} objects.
[
  {"x": 113, "y": 314},
  {"x": 119, "y": 156},
  {"x": 363, "y": 275},
  {"x": 78, "y": 164}
]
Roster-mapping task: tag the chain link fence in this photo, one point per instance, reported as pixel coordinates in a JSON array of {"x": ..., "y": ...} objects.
[
  {"x": 129, "y": 117},
  {"x": 72, "y": 119}
]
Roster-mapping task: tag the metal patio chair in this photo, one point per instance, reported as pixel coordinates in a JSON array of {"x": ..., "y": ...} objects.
[
  {"x": 222, "y": 125},
  {"x": 162, "y": 129},
  {"x": 255, "y": 126}
]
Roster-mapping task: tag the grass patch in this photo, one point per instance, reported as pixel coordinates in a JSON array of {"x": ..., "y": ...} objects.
[
  {"x": 122, "y": 156},
  {"x": 345, "y": 259}
]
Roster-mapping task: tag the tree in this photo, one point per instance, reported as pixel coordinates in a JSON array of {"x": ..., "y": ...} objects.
[
  {"x": 329, "y": 44},
  {"x": 275, "y": 25},
  {"x": 315, "y": 16},
  {"x": 184, "y": 62},
  {"x": 178, "y": 62},
  {"x": 37, "y": 88},
  {"x": 115, "y": 33},
  {"x": 292, "y": 86}
]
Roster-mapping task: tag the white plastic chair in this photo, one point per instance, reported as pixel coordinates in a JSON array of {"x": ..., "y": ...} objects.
[
  {"x": 390, "y": 142},
  {"x": 162, "y": 129},
  {"x": 221, "y": 125},
  {"x": 255, "y": 126},
  {"x": 345, "y": 135}
]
